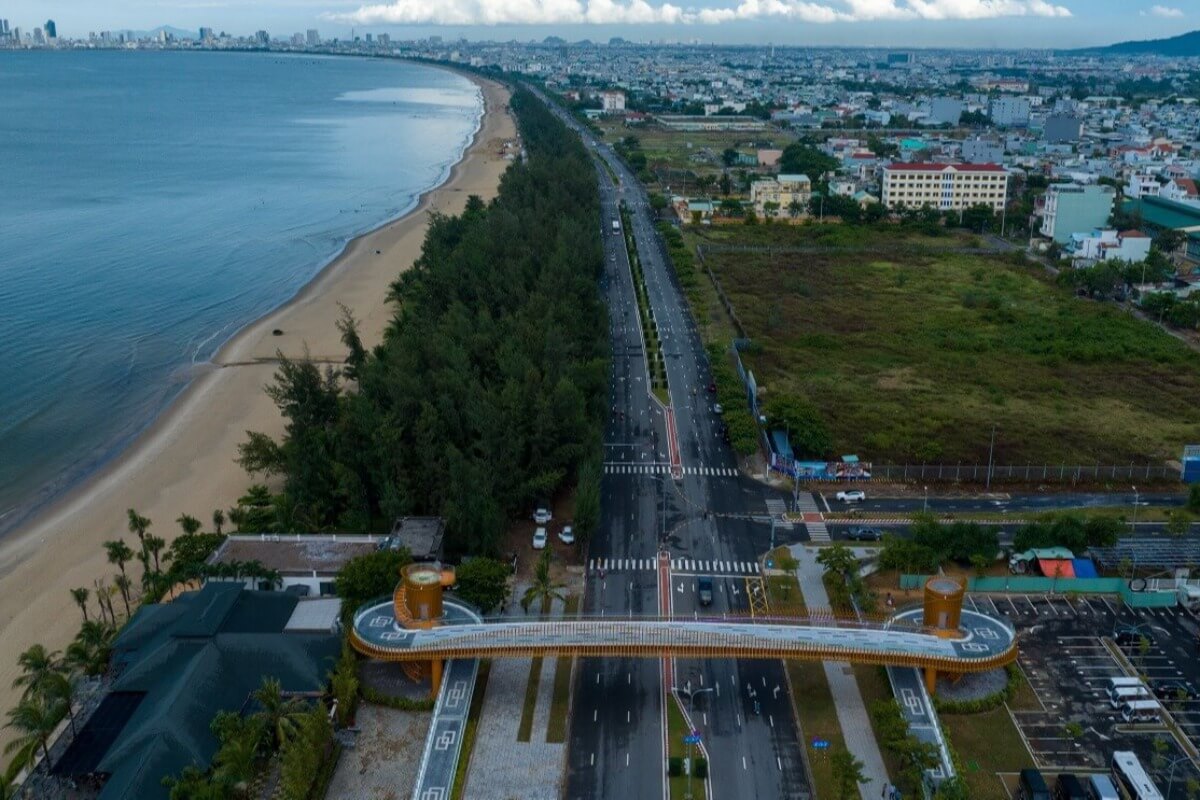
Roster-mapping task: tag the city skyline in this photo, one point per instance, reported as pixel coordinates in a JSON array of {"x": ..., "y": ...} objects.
[{"x": 972, "y": 24}]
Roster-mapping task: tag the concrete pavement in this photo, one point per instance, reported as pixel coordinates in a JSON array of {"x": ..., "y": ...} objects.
[{"x": 851, "y": 711}]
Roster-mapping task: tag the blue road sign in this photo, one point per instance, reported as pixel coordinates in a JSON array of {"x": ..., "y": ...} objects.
[
  {"x": 692, "y": 739},
  {"x": 770, "y": 563},
  {"x": 820, "y": 744}
]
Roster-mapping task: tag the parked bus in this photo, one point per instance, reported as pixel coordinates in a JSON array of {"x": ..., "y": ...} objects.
[{"x": 1129, "y": 776}]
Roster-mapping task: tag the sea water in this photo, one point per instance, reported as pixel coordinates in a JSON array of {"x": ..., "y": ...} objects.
[{"x": 154, "y": 203}]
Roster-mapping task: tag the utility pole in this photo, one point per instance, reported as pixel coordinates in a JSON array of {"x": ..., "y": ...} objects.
[
  {"x": 1135, "y": 506},
  {"x": 991, "y": 450}
]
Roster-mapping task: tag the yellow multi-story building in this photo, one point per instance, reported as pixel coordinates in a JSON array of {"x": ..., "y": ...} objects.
[
  {"x": 945, "y": 186},
  {"x": 785, "y": 196}
]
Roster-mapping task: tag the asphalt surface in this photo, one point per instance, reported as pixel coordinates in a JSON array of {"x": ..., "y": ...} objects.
[{"x": 616, "y": 737}]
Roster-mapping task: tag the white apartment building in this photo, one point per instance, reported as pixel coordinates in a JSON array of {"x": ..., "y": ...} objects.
[
  {"x": 944, "y": 186},
  {"x": 612, "y": 102},
  {"x": 781, "y": 193}
]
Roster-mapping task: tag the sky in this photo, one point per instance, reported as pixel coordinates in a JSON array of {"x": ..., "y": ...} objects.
[{"x": 884, "y": 23}]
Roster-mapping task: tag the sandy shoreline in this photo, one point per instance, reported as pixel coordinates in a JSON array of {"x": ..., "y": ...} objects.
[{"x": 184, "y": 462}]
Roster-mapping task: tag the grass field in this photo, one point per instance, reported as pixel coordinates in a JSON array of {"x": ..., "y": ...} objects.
[{"x": 914, "y": 357}]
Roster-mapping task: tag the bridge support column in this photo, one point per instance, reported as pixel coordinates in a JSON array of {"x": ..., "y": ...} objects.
[
  {"x": 435, "y": 677},
  {"x": 930, "y": 680}
]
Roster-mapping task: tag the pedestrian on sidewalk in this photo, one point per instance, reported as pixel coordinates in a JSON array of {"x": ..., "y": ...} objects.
[{"x": 887, "y": 786}]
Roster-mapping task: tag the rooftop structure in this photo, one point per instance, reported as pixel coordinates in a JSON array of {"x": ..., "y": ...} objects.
[
  {"x": 177, "y": 665},
  {"x": 421, "y": 536},
  {"x": 302, "y": 560}
]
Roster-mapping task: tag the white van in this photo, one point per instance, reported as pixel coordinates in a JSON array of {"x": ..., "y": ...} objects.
[
  {"x": 1141, "y": 711},
  {"x": 1126, "y": 694}
]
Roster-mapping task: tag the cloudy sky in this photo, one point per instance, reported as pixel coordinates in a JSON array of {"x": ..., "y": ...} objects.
[{"x": 889, "y": 23}]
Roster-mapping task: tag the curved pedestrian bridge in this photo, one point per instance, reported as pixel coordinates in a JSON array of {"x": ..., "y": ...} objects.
[{"x": 982, "y": 642}]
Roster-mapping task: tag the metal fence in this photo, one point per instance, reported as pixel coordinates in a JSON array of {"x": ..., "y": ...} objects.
[
  {"x": 1141, "y": 597},
  {"x": 1025, "y": 473}
]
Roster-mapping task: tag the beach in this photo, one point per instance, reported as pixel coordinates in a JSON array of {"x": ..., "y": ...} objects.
[{"x": 184, "y": 462}]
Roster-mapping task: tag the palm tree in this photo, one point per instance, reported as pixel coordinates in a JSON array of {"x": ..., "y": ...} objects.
[
  {"x": 543, "y": 589},
  {"x": 88, "y": 653},
  {"x": 280, "y": 714},
  {"x": 118, "y": 553},
  {"x": 37, "y": 665},
  {"x": 34, "y": 719},
  {"x": 80, "y": 596},
  {"x": 154, "y": 546},
  {"x": 123, "y": 583},
  {"x": 235, "y": 761},
  {"x": 138, "y": 525},
  {"x": 188, "y": 523},
  {"x": 218, "y": 520},
  {"x": 61, "y": 689}
]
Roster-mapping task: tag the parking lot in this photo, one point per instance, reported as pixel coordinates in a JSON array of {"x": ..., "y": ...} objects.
[{"x": 1067, "y": 664}]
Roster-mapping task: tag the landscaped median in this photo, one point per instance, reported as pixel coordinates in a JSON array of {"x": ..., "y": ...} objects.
[
  {"x": 677, "y": 753},
  {"x": 654, "y": 355}
]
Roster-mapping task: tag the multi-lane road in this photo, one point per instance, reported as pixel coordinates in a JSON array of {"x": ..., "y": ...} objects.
[{"x": 710, "y": 521}]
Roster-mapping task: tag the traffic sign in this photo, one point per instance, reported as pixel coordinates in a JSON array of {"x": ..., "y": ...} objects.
[
  {"x": 820, "y": 744},
  {"x": 692, "y": 739},
  {"x": 770, "y": 563}
]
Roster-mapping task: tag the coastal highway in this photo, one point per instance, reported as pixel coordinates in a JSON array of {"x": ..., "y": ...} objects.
[{"x": 713, "y": 522}]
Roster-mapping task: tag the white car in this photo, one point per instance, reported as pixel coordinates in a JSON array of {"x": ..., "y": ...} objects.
[
  {"x": 567, "y": 535},
  {"x": 539, "y": 539},
  {"x": 717, "y": 408},
  {"x": 542, "y": 515},
  {"x": 852, "y": 496}
]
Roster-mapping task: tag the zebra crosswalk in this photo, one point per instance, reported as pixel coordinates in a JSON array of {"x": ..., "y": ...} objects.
[
  {"x": 814, "y": 522},
  {"x": 630, "y": 468},
  {"x": 714, "y": 566}
]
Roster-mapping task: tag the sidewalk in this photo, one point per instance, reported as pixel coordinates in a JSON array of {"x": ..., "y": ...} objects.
[
  {"x": 852, "y": 714},
  {"x": 502, "y": 767}
]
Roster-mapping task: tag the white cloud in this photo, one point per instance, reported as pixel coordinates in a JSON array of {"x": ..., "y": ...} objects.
[
  {"x": 1162, "y": 11},
  {"x": 639, "y": 12}
]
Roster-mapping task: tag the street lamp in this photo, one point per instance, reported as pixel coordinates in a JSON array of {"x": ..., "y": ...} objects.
[
  {"x": 1171, "y": 772},
  {"x": 926, "y": 509},
  {"x": 691, "y": 696},
  {"x": 1136, "y": 496}
]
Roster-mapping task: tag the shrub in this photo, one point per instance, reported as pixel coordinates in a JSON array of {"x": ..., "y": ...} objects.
[
  {"x": 700, "y": 768},
  {"x": 674, "y": 766}
]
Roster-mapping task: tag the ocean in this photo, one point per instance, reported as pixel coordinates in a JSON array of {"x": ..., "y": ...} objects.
[{"x": 154, "y": 203}]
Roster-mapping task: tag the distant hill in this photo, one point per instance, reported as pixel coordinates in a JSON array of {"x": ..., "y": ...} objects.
[{"x": 1187, "y": 44}]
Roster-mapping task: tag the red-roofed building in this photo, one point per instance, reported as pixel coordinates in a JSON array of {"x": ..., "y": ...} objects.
[{"x": 945, "y": 187}]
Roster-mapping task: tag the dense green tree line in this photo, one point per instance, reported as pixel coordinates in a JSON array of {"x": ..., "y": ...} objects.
[{"x": 489, "y": 388}]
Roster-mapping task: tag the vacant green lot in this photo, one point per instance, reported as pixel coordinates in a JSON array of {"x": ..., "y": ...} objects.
[{"x": 911, "y": 355}]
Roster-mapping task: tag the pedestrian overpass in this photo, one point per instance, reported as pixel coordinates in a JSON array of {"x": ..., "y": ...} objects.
[{"x": 414, "y": 627}]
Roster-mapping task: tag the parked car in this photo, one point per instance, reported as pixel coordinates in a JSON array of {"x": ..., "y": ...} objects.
[
  {"x": 1129, "y": 637},
  {"x": 542, "y": 515},
  {"x": 864, "y": 534},
  {"x": 1032, "y": 786},
  {"x": 717, "y": 408},
  {"x": 852, "y": 496},
  {"x": 567, "y": 535},
  {"x": 1068, "y": 787},
  {"x": 1100, "y": 787},
  {"x": 704, "y": 587},
  {"x": 1175, "y": 690},
  {"x": 712, "y": 388},
  {"x": 539, "y": 539}
]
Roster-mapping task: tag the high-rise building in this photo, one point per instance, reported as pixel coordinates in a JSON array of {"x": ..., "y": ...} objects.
[
  {"x": 206, "y": 34},
  {"x": 1009, "y": 111},
  {"x": 370, "y": 38},
  {"x": 314, "y": 38},
  {"x": 51, "y": 29},
  {"x": 945, "y": 186},
  {"x": 38, "y": 38},
  {"x": 262, "y": 38}
]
